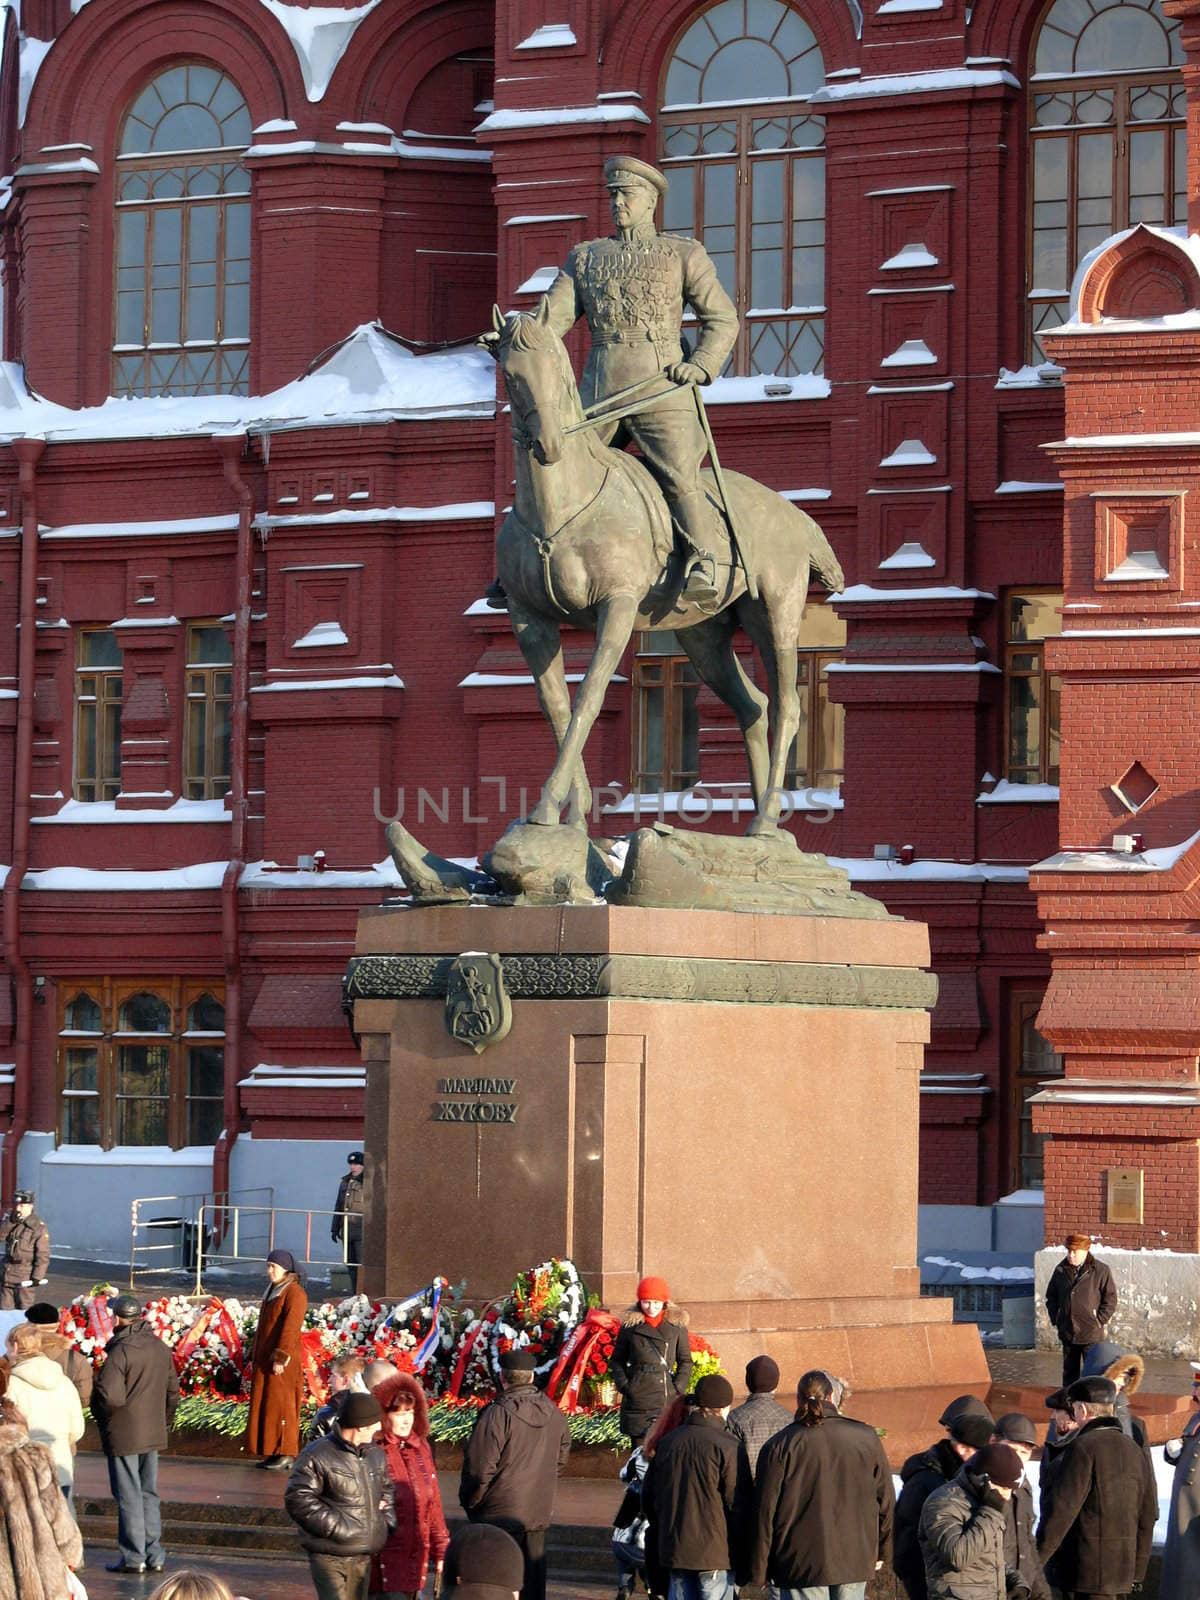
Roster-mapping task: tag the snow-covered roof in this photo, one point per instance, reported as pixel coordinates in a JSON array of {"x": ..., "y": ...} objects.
[
  {"x": 368, "y": 378},
  {"x": 908, "y": 83}
]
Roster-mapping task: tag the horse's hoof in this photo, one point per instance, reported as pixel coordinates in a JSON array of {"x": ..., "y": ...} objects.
[{"x": 763, "y": 828}]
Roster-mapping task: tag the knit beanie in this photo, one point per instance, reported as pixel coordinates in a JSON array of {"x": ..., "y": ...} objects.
[
  {"x": 762, "y": 1375},
  {"x": 482, "y": 1553},
  {"x": 42, "y": 1315},
  {"x": 653, "y": 1289},
  {"x": 713, "y": 1392},
  {"x": 999, "y": 1463},
  {"x": 360, "y": 1411}
]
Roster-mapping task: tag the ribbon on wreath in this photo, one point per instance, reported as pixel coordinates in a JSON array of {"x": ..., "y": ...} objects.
[
  {"x": 215, "y": 1316},
  {"x": 399, "y": 1315},
  {"x": 99, "y": 1318},
  {"x": 573, "y": 1359},
  {"x": 471, "y": 1343},
  {"x": 312, "y": 1355}
]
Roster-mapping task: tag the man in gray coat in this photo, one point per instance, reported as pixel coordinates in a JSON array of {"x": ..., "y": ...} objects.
[
  {"x": 962, "y": 1529},
  {"x": 760, "y": 1417},
  {"x": 1181, "y": 1553}
]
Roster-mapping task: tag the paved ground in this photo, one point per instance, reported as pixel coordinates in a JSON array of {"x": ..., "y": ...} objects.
[{"x": 254, "y": 1578}]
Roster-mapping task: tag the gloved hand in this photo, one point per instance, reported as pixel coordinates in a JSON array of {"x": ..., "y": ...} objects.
[
  {"x": 1017, "y": 1589},
  {"x": 42, "y": 1281},
  {"x": 687, "y": 372},
  {"x": 27, "y": 1283}
]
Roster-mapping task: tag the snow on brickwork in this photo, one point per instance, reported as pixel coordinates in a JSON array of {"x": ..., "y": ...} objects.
[
  {"x": 106, "y": 880},
  {"x": 863, "y": 592},
  {"x": 33, "y": 53},
  {"x": 1045, "y": 374},
  {"x": 766, "y": 386},
  {"x": 910, "y": 255},
  {"x": 910, "y": 554},
  {"x": 102, "y": 812},
  {"x": 451, "y": 511},
  {"x": 947, "y": 78},
  {"x": 1160, "y": 859},
  {"x": 560, "y": 116},
  {"x": 1006, "y": 793},
  {"x": 369, "y": 378},
  {"x": 550, "y": 36},
  {"x": 319, "y": 35}
]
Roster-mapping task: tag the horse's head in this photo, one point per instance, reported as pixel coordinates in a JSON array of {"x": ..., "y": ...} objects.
[{"x": 538, "y": 380}]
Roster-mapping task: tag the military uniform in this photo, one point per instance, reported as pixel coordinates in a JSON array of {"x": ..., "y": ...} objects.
[
  {"x": 350, "y": 1201},
  {"x": 633, "y": 291},
  {"x": 26, "y": 1259}
]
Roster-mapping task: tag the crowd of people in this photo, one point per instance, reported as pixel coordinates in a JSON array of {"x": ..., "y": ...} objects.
[{"x": 718, "y": 1498}]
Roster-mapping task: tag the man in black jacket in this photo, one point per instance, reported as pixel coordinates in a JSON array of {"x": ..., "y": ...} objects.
[
  {"x": 1099, "y": 1525},
  {"x": 920, "y": 1476},
  {"x": 133, "y": 1401},
  {"x": 700, "y": 1488},
  {"x": 511, "y": 1466},
  {"x": 1081, "y": 1299},
  {"x": 340, "y": 1497},
  {"x": 824, "y": 1501}
]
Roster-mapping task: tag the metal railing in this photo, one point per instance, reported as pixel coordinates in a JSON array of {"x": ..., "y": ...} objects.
[
  {"x": 169, "y": 1233},
  {"x": 248, "y": 1233}
]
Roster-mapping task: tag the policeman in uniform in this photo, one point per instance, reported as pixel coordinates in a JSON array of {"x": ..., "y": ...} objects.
[
  {"x": 633, "y": 289},
  {"x": 348, "y": 1210},
  {"x": 26, "y": 1240}
]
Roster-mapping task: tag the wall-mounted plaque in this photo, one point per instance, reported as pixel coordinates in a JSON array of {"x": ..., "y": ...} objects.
[{"x": 1126, "y": 1194}]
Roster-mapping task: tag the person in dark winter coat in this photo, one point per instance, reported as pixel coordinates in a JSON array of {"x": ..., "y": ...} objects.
[
  {"x": 824, "y": 1501},
  {"x": 484, "y": 1563},
  {"x": 652, "y": 1359},
  {"x": 133, "y": 1401},
  {"x": 1181, "y": 1552},
  {"x": 1104, "y": 1504},
  {"x": 1020, "y": 1545},
  {"x": 61, "y": 1351},
  {"x": 348, "y": 1213},
  {"x": 26, "y": 1240},
  {"x": 419, "y": 1539},
  {"x": 1081, "y": 1300},
  {"x": 658, "y": 1579},
  {"x": 760, "y": 1417},
  {"x": 1062, "y": 1430},
  {"x": 1108, "y": 1360},
  {"x": 339, "y": 1496},
  {"x": 920, "y": 1476},
  {"x": 962, "y": 1529},
  {"x": 700, "y": 1485},
  {"x": 515, "y": 1455},
  {"x": 276, "y": 1373}
]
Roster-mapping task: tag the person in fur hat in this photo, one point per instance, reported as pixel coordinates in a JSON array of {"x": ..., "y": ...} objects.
[
  {"x": 1109, "y": 1360},
  {"x": 420, "y": 1537},
  {"x": 39, "y": 1540},
  {"x": 652, "y": 1359}
]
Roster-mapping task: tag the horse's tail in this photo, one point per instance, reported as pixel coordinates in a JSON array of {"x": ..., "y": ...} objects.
[{"x": 821, "y": 557}]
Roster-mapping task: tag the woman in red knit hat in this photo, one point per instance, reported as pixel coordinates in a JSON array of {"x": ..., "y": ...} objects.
[
  {"x": 419, "y": 1538},
  {"x": 652, "y": 1360}
]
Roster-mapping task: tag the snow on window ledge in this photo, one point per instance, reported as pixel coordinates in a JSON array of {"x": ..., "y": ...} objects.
[{"x": 550, "y": 36}]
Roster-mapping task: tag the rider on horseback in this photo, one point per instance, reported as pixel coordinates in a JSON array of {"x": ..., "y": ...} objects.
[{"x": 633, "y": 289}]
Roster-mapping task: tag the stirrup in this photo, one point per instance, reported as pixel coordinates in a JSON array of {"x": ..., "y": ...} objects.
[
  {"x": 699, "y": 584},
  {"x": 494, "y": 596}
]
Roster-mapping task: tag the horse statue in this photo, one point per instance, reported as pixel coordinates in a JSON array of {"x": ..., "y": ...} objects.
[{"x": 588, "y": 542}]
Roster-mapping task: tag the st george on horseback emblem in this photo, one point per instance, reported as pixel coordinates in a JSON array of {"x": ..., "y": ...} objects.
[
  {"x": 478, "y": 1009},
  {"x": 601, "y": 540}
]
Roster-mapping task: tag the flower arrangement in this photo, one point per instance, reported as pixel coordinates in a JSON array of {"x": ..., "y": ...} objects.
[{"x": 454, "y": 1351}]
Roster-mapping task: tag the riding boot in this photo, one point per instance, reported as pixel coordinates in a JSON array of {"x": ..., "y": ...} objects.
[
  {"x": 495, "y": 597},
  {"x": 693, "y": 518}
]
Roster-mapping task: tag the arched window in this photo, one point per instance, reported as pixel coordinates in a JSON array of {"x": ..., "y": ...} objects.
[
  {"x": 182, "y": 319},
  {"x": 1107, "y": 135},
  {"x": 746, "y": 163}
]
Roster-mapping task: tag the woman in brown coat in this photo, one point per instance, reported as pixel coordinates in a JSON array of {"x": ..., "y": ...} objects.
[{"x": 277, "y": 1374}]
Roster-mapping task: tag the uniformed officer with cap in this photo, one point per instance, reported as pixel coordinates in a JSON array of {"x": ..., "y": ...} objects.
[
  {"x": 633, "y": 289},
  {"x": 26, "y": 1241},
  {"x": 348, "y": 1209}
]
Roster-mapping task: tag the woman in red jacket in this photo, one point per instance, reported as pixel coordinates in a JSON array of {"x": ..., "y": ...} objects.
[{"x": 420, "y": 1537}]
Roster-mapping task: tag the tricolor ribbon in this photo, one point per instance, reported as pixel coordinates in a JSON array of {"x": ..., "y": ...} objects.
[{"x": 430, "y": 1342}]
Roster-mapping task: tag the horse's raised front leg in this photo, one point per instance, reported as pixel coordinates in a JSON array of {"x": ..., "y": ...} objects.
[
  {"x": 540, "y": 640},
  {"x": 614, "y": 627}
]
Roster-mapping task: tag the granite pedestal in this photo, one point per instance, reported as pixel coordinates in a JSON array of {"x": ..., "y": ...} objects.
[{"x": 727, "y": 1100}]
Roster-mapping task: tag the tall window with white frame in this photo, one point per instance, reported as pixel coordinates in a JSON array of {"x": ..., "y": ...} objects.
[
  {"x": 182, "y": 291},
  {"x": 1108, "y": 142},
  {"x": 141, "y": 1062},
  {"x": 746, "y": 161}
]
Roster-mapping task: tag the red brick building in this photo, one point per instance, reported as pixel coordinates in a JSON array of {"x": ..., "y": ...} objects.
[{"x": 244, "y": 531}]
